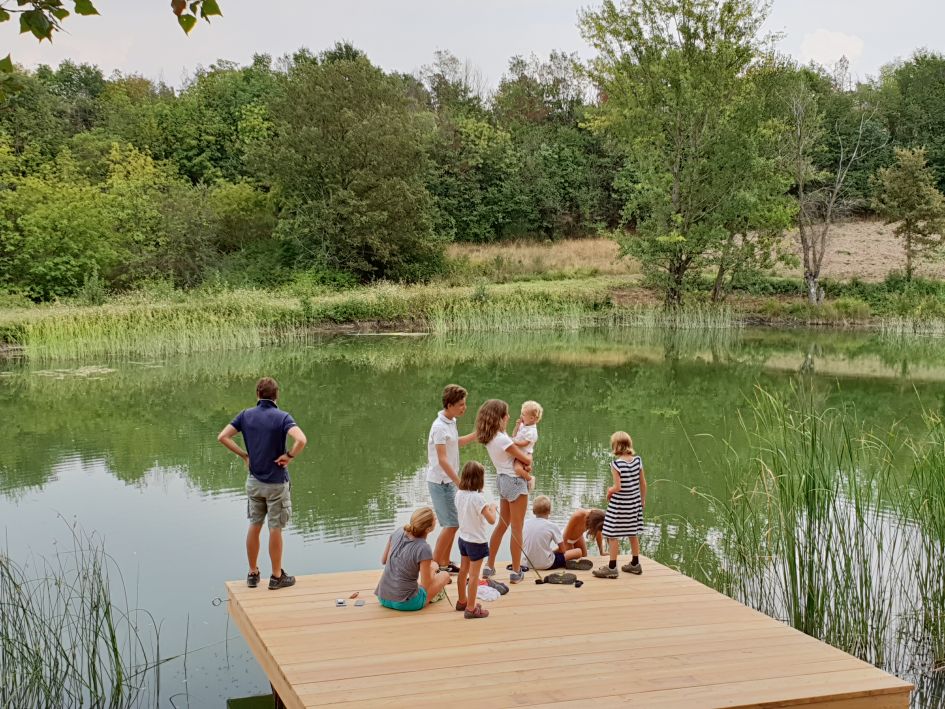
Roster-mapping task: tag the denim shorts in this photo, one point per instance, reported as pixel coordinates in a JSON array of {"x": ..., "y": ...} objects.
[
  {"x": 270, "y": 500},
  {"x": 413, "y": 604},
  {"x": 444, "y": 503},
  {"x": 511, "y": 487},
  {"x": 474, "y": 550}
]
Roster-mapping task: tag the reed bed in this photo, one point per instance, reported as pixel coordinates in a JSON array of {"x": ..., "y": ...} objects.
[
  {"x": 837, "y": 530},
  {"x": 66, "y": 639}
]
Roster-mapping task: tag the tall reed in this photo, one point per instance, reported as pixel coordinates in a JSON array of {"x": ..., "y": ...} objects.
[
  {"x": 66, "y": 636},
  {"x": 837, "y": 530}
]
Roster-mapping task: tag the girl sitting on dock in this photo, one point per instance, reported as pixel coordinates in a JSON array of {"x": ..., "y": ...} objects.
[{"x": 407, "y": 556}]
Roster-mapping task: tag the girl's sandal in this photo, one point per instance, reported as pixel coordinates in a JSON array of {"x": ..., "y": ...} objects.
[
  {"x": 460, "y": 605},
  {"x": 477, "y": 612}
]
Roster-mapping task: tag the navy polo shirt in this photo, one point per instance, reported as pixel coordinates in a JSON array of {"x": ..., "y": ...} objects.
[{"x": 264, "y": 429}]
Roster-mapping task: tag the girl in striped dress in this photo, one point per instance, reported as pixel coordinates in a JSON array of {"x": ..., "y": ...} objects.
[{"x": 625, "y": 500}]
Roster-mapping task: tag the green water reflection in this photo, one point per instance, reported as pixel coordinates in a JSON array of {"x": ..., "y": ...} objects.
[{"x": 128, "y": 448}]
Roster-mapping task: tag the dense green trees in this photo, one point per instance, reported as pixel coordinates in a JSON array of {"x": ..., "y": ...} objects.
[{"x": 685, "y": 138}]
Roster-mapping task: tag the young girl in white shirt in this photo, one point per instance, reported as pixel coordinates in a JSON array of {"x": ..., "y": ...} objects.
[
  {"x": 492, "y": 421},
  {"x": 474, "y": 512}
]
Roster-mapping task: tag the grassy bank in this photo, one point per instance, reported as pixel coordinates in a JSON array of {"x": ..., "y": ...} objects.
[{"x": 164, "y": 321}]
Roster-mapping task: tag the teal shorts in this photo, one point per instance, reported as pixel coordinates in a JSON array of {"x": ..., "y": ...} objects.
[{"x": 414, "y": 604}]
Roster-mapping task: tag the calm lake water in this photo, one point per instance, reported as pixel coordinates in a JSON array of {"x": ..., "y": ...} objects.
[{"x": 127, "y": 449}]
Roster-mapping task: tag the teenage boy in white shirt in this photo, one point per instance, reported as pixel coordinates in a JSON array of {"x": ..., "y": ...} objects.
[{"x": 443, "y": 445}]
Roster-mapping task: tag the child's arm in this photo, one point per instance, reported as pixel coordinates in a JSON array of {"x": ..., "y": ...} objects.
[
  {"x": 489, "y": 513},
  {"x": 445, "y": 463},
  {"x": 600, "y": 542},
  {"x": 521, "y": 456},
  {"x": 386, "y": 552},
  {"x": 468, "y": 438},
  {"x": 428, "y": 570},
  {"x": 615, "y": 488},
  {"x": 642, "y": 487}
]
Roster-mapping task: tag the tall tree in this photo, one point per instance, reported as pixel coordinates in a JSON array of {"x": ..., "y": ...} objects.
[
  {"x": 906, "y": 193},
  {"x": 347, "y": 154},
  {"x": 672, "y": 78}
]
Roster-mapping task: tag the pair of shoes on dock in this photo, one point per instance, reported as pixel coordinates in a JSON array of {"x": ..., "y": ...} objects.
[{"x": 579, "y": 565}]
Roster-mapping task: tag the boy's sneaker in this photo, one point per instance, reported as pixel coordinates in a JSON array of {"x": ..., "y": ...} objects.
[
  {"x": 632, "y": 568},
  {"x": 579, "y": 564},
  {"x": 605, "y": 572},
  {"x": 487, "y": 572},
  {"x": 252, "y": 578},
  {"x": 439, "y": 597},
  {"x": 516, "y": 577},
  {"x": 283, "y": 581}
]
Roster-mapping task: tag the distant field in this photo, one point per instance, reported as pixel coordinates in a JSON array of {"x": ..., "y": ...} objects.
[{"x": 864, "y": 249}]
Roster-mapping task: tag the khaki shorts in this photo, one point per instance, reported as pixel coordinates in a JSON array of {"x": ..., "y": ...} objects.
[{"x": 270, "y": 500}]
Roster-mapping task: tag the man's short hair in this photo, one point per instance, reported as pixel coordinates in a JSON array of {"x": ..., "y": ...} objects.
[
  {"x": 541, "y": 506},
  {"x": 453, "y": 394},
  {"x": 267, "y": 388}
]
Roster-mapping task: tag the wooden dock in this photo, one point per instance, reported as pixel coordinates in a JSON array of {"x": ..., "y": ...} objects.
[{"x": 656, "y": 640}]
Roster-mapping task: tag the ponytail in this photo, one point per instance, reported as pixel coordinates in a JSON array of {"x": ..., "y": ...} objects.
[{"x": 421, "y": 522}]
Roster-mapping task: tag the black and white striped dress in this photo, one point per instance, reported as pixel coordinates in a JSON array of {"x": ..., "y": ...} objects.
[{"x": 624, "y": 516}]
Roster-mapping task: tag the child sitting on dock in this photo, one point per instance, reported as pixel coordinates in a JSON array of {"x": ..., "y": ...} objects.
[
  {"x": 474, "y": 512},
  {"x": 589, "y": 522},
  {"x": 625, "y": 501},
  {"x": 543, "y": 542},
  {"x": 407, "y": 556},
  {"x": 525, "y": 436}
]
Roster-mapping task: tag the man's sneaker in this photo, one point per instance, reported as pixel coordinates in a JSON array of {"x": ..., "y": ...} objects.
[
  {"x": 579, "y": 564},
  {"x": 516, "y": 577},
  {"x": 487, "y": 572},
  {"x": 450, "y": 568},
  {"x": 632, "y": 568},
  {"x": 283, "y": 581},
  {"x": 252, "y": 578},
  {"x": 605, "y": 572}
]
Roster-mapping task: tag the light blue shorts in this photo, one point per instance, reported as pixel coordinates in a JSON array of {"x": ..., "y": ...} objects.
[
  {"x": 444, "y": 503},
  {"x": 511, "y": 487},
  {"x": 413, "y": 604}
]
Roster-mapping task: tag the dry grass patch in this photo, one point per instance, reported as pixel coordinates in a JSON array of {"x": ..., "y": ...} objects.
[{"x": 595, "y": 255}]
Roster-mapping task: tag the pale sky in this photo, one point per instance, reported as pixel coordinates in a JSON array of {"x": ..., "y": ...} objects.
[{"x": 142, "y": 36}]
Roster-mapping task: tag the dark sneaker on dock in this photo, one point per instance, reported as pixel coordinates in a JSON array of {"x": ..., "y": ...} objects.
[
  {"x": 252, "y": 579},
  {"x": 283, "y": 581},
  {"x": 450, "y": 568},
  {"x": 579, "y": 565}
]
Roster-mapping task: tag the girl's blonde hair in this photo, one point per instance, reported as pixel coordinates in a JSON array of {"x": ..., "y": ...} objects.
[
  {"x": 621, "y": 443},
  {"x": 489, "y": 419},
  {"x": 472, "y": 477},
  {"x": 533, "y": 407},
  {"x": 421, "y": 522}
]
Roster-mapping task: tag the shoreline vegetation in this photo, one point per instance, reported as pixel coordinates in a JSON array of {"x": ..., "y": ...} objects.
[{"x": 160, "y": 320}]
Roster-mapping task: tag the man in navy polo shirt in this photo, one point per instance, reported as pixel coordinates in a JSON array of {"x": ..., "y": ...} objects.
[{"x": 264, "y": 428}]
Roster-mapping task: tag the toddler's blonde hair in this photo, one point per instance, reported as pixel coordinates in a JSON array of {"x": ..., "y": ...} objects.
[
  {"x": 533, "y": 407},
  {"x": 621, "y": 443}
]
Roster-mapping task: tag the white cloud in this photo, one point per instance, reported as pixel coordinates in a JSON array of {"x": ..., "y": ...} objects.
[{"x": 826, "y": 47}]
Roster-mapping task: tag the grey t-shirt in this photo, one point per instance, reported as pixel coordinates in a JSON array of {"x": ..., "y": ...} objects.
[{"x": 399, "y": 581}]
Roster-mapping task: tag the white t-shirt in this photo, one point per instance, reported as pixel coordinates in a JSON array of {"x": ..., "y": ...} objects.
[
  {"x": 498, "y": 451},
  {"x": 540, "y": 540},
  {"x": 472, "y": 525},
  {"x": 530, "y": 434},
  {"x": 443, "y": 431}
]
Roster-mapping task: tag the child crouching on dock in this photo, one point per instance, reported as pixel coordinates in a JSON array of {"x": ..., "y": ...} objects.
[{"x": 474, "y": 512}]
